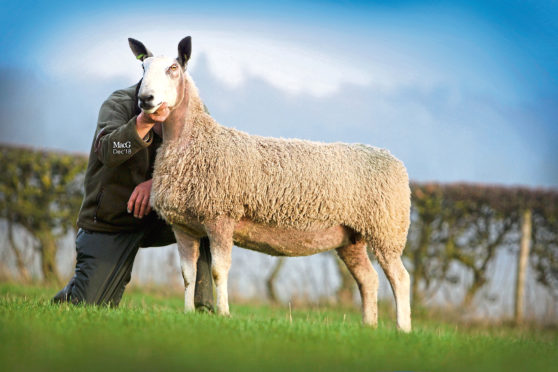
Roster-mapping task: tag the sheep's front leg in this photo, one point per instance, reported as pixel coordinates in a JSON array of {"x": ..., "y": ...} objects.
[
  {"x": 189, "y": 251},
  {"x": 220, "y": 233}
]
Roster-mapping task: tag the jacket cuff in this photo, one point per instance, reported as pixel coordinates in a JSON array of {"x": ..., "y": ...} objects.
[{"x": 148, "y": 138}]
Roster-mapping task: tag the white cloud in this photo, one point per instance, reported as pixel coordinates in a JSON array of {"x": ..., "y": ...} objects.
[
  {"x": 235, "y": 54},
  {"x": 385, "y": 58},
  {"x": 232, "y": 57},
  {"x": 289, "y": 67}
]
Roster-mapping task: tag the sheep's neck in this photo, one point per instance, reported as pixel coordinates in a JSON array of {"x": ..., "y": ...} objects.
[
  {"x": 180, "y": 121},
  {"x": 174, "y": 124}
]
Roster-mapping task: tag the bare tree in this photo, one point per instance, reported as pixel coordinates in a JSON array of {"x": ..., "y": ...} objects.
[{"x": 272, "y": 278}]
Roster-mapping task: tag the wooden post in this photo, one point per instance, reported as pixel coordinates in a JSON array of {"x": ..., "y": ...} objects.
[{"x": 522, "y": 261}]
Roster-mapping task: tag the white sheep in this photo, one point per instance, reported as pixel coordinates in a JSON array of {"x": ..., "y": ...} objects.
[{"x": 283, "y": 197}]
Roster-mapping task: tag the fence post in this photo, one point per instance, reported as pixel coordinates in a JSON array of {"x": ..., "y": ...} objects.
[{"x": 522, "y": 261}]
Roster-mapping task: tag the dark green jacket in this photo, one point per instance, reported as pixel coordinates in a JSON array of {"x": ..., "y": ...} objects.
[{"x": 118, "y": 162}]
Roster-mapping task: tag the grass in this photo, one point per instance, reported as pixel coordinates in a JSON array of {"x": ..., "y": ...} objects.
[{"x": 151, "y": 333}]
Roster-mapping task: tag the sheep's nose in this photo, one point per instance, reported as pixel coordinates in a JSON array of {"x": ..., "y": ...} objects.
[{"x": 145, "y": 100}]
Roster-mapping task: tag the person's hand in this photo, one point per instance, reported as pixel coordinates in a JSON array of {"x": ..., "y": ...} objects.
[
  {"x": 158, "y": 116},
  {"x": 145, "y": 121},
  {"x": 139, "y": 200}
]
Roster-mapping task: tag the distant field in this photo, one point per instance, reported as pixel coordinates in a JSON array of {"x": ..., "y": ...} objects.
[{"x": 150, "y": 333}]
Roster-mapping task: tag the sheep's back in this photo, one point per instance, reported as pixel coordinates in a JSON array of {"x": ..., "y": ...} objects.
[{"x": 281, "y": 182}]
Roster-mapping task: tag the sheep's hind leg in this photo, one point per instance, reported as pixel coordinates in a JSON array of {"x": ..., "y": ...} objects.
[
  {"x": 357, "y": 261},
  {"x": 189, "y": 251},
  {"x": 220, "y": 235},
  {"x": 400, "y": 284}
]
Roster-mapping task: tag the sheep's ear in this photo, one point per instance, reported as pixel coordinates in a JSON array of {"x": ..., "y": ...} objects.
[
  {"x": 139, "y": 50},
  {"x": 184, "y": 50}
]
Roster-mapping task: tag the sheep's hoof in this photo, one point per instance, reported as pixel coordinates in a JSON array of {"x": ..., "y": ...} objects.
[
  {"x": 404, "y": 329},
  {"x": 370, "y": 325}
]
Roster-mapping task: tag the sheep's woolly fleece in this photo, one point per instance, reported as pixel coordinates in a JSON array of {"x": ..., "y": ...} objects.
[{"x": 212, "y": 170}]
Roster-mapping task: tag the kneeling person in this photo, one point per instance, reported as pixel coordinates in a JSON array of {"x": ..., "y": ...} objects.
[{"x": 115, "y": 217}]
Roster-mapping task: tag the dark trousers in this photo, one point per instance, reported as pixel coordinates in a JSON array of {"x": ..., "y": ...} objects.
[{"x": 104, "y": 265}]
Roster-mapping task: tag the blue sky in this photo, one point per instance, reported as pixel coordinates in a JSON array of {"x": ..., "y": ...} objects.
[{"x": 460, "y": 92}]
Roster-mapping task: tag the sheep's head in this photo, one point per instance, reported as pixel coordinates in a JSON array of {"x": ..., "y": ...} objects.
[{"x": 162, "y": 76}]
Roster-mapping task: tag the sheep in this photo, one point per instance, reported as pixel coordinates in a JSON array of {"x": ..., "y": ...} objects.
[{"x": 283, "y": 197}]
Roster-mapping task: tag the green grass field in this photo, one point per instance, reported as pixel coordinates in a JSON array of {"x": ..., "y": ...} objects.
[{"x": 151, "y": 333}]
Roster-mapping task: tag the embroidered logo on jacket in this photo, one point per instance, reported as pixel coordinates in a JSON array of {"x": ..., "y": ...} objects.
[{"x": 122, "y": 148}]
